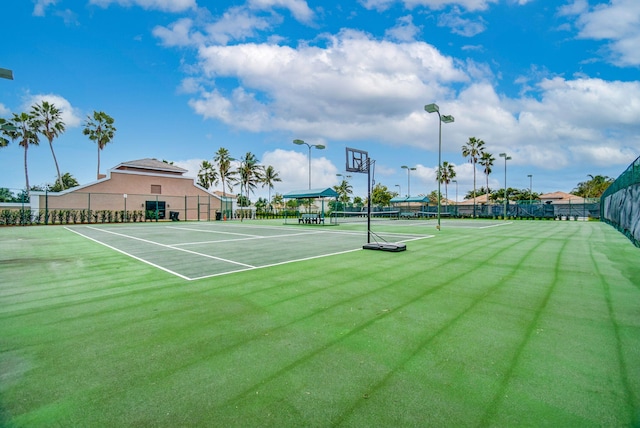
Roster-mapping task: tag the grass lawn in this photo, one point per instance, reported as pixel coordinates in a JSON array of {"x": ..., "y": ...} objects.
[{"x": 535, "y": 323}]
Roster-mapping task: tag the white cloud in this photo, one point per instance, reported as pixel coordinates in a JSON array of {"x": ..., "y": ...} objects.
[
  {"x": 70, "y": 116},
  {"x": 404, "y": 30},
  {"x": 617, "y": 21},
  {"x": 39, "y": 9},
  {"x": 459, "y": 25},
  {"x": 163, "y": 5},
  {"x": 298, "y": 8},
  {"x": 4, "y": 111}
]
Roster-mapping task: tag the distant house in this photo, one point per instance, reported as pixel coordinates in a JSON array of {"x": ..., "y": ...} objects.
[
  {"x": 561, "y": 198},
  {"x": 146, "y": 185}
]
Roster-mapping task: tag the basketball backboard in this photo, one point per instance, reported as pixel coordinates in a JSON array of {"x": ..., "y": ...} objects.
[{"x": 357, "y": 160}]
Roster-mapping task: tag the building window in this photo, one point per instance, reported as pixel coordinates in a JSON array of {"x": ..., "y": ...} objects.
[{"x": 156, "y": 189}]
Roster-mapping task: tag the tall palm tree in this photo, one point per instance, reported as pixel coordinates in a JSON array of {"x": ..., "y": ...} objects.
[
  {"x": 207, "y": 175},
  {"x": 445, "y": 174},
  {"x": 250, "y": 173},
  {"x": 225, "y": 173},
  {"x": 270, "y": 177},
  {"x": 51, "y": 125},
  {"x": 486, "y": 160},
  {"x": 100, "y": 129},
  {"x": 473, "y": 149},
  {"x": 23, "y": 127}
]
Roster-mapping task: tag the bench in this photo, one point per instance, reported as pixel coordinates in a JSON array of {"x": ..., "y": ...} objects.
[
  {"x": 311, "y": 218},
  {"x": 407, "y": 214}
]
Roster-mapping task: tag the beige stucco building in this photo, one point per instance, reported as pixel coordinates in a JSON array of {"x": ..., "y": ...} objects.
[{"x": 145, "y": 185}]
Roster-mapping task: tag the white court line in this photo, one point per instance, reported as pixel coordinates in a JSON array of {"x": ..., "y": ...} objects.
[
  {"x": 171, "y": 247},
  {"x": 496, "y": 225},
  {"x": 130, "y": 255},
  {"x": 213, "y": 231},
  {"x": 241, "y": 239},
  {"x": 247, "y": 267}
]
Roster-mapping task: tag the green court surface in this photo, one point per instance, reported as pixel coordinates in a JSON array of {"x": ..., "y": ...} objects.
[{"x": 484, "y": 323}]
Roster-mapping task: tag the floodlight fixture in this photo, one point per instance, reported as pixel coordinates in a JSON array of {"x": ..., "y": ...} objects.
[
  {"x": 317, "y": 146},
  {"x": 6, "y": 74}
]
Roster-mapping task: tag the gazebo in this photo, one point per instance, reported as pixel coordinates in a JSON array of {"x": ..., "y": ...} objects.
[{"x": 313, "y": 194}]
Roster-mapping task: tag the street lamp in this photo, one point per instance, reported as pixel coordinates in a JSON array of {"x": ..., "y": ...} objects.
[
  {"x": 433, "y": 108},
  {"x": 317, "y": 146},
  {"x": 506, "y": 198},
  {"x": 456, "y": 181},
  {"x": 530, "y": 193},
  {"x": 399, "y": 189},
  {"x": 408, "y": 179}
]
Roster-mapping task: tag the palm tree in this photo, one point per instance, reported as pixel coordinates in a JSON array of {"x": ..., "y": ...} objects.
[
  {"x": 207, "y": 175},
  {"x": 446, "y": 173},
  {"x": 100, "y": 129},
  {"x": 225, "y": 173},
  {"x": 23, "y": 127},
  {"x": 593, "y": 188},
  {"x": 68, "y": 181},
  {"x": 5, "y": 127},
  {"x": 473, "y": 149},
  {"x": 269, "y": 178},
  {"x": 250, "y": 173},
  {"x": 50, "y": 123},
  {"x": 486, "y": 160},
  {"x": 344, "y": 189}
]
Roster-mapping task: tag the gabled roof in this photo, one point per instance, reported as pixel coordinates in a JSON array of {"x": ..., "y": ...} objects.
[
  {"x": 149, "y": 164},
  {"x": 311, "y": 193},
  {"x": 561, "y": 197}
]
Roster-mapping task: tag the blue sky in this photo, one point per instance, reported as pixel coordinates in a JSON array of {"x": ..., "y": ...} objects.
[{"x": 554, "y": 84}]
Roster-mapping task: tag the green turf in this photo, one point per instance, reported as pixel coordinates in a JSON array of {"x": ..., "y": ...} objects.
[{"x": 536, "y": 323}]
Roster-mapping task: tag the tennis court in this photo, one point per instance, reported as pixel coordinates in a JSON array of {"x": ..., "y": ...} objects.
[
  {"x": 486, "y": 323},
  {"x": 201, "y": 250}
]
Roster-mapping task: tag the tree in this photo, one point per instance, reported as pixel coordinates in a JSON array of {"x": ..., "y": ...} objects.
[
  {"x": 473, "y": 149},
  {"x": 593, "y": 188},
  {"x": 225, "y": 174},
  {"x": 344, "y": 189},
  {"x": 250, "y": 173},
  {"x": 486, "y": 160},
  {"x": 207, "y": 175},
  {"x": 100, "y": 130},
  {"x": 68, "y": 181},
  {"x": 50, "y": 124},
  {"x": 6, "y": 195},
  {"x": 4, "y": 128},
  {"x": 269, "y": 178},
  {"x": 380, "y": 195},
  {"x": 23, "y": 127},
  {"x": 445, "y": 174},
  {"x": 433, "y": 197},
  {"x": 278, "y": 200}
]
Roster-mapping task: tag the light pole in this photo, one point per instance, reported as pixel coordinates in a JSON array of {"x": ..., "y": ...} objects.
[
  {"x": 530, "y": 193},
  {"x": 456, "y": 181},
  {"x": 506, "y": 198},
  {"x": 317, "y": 146},
  {"x": 433, "y": 108},
  {"x": 408, "y": 179}
]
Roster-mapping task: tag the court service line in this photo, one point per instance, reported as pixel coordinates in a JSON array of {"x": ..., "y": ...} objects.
[
  {"x": 172, "y": 247},
  {"x": 213, "y": 231},
  {"x": 276, "y": 264},
  {"x": 129, "y": 255},
  {"x": 242, "y": 239}
]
